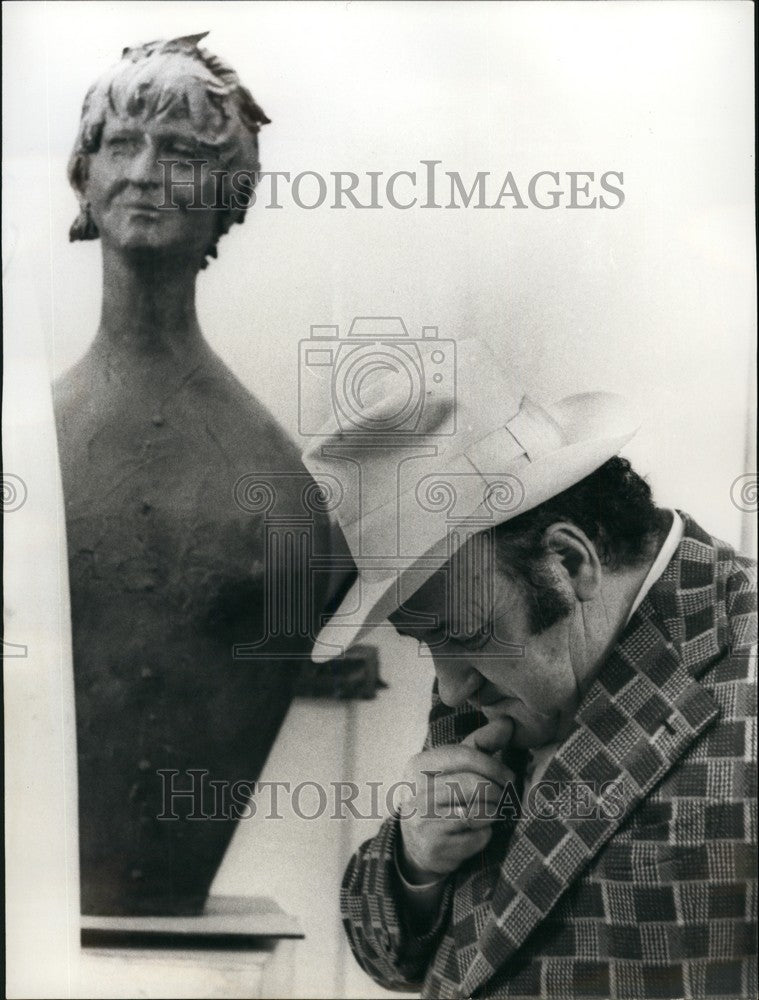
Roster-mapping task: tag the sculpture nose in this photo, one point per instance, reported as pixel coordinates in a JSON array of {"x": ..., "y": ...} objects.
[{"x": 144, "y": 169}]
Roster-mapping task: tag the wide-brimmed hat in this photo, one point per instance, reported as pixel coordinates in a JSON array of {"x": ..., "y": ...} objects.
[{"x": 412, "y": 479}]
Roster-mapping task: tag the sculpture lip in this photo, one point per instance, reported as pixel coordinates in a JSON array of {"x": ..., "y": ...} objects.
[{"x": 141, "y": 206}]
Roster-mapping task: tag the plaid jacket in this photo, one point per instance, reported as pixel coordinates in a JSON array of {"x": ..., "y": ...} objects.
[{"x": 653, "y": 899}]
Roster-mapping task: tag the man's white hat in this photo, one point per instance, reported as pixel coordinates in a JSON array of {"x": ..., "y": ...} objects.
[{"x": 420, "y": 467}]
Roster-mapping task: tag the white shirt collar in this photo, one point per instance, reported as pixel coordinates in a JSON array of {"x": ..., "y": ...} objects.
[{"x": 661, "y": 562}]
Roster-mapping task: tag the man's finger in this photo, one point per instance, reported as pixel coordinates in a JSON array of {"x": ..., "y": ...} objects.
[
  {"x": 493, "y": 736},
  {"x": 465, "y": 787},
  {"x": 449, "y": 760}
]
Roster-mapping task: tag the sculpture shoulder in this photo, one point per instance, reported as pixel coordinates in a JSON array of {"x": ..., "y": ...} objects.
[
  {"x": 241, "y": 415},
  {"x": 199, "y": 395},
  {"x": 191, "y": 432},
  {"x": 70, "y": 390}
]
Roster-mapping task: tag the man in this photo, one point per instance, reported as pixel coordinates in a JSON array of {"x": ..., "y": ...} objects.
[{"x": 600, "y": 662}]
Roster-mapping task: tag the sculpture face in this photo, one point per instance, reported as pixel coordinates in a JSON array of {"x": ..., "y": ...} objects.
[
  {"x": 163, "y": 101},
  {"x": 125, "y": 187}
]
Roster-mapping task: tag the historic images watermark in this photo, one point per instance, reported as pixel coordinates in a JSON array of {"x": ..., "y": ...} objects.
[
  {"x": 377, "y": 405},
  {"x": 427, "y": 186},
  {"x": 193, "y": 795}
]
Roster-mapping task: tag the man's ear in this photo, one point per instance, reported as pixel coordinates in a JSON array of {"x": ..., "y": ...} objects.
[{"x": 575, "y": 557}]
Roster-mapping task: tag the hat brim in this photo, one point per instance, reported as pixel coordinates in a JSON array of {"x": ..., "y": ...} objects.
[{"x": 596, "y": 427}]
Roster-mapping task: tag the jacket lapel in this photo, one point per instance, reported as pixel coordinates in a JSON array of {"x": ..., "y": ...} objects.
[{"x": 639, "y": 717}]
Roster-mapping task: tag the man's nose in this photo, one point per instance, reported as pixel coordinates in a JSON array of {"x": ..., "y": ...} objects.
[
  {"x": 144, "y": 169},
  {"x": 457, "y": 682}
]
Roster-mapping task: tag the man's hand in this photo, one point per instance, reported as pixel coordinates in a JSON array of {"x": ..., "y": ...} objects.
[{"x": 450, "y": 815}]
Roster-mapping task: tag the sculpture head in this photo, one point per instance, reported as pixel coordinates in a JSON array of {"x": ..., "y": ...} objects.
[{"x": 165, "y": 100}]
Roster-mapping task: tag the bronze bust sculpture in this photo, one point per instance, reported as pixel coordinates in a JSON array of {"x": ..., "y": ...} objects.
[{"x": 167, "y": 571}]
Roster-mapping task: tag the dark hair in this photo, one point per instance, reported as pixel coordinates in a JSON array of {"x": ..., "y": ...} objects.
[{"x": 615, "y": 509}]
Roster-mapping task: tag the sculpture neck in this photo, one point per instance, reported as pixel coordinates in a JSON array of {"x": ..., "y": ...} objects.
[{"x": 148, "y": 310}]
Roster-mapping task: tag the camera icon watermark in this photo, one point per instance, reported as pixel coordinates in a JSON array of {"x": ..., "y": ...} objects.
[{"x": 377, "y": 355}]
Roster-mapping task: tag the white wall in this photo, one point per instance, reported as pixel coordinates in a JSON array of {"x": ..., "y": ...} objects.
[{"x": 655, "y": 299}]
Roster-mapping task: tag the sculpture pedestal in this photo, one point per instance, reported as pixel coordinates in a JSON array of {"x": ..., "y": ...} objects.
[{"x": 238, "y": 947}]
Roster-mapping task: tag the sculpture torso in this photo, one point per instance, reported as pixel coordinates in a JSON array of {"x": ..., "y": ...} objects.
[{"x": 167, "y": 573}]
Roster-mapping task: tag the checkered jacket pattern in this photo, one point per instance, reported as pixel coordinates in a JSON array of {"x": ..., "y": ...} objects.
[{"x": 654, "y": 897}]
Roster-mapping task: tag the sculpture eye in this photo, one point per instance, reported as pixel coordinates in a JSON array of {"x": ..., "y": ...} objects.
[
  {"x": 122, "y": 145},
  {"x": 179, "y": 147}
]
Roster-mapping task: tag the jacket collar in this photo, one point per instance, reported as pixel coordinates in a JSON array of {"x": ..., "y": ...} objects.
[{"x": 640, "y": 715}]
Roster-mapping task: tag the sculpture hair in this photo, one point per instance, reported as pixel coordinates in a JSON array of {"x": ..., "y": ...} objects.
[{"x": 162, "y": 79}]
